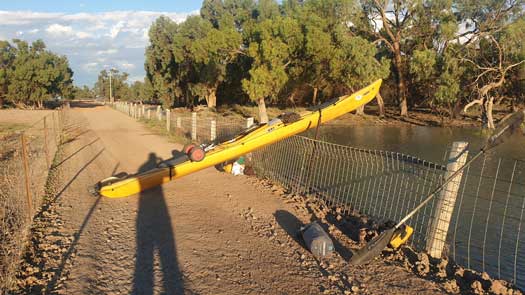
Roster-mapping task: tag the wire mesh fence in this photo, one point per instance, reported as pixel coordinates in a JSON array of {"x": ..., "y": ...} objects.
[
  {"x": 480, "y": 227},
  {"x": 377, "y": 183},
  {"x": 484, "y": 230},
  {"x": 488, "y": 220},
  {"x": 25, "y": 159}
]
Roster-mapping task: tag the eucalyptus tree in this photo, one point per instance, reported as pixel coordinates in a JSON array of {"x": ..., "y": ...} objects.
[
  {"x": 7, "y": 56},
  {"x": 210, "y": 57},
  {"x": 493, "y": 49},
  {"x": 119, "y": 86},
  {"x": 162, "y": 70},
  {"x": 272, "y": 47},
  {"x": 37, "y": 75}
]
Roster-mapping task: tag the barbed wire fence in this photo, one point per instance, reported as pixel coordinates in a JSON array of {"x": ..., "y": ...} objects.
[
  {"x": 25, "y": 160},
  {"x": 477, "y": 220}
]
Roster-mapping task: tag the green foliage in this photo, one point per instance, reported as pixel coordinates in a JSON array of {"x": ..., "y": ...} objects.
[
  {"x": 83, "y": 93},
  {"x": 303, "y": 52},
  {"x": 119, "y": 87},
  {"x": 30, "y": 74}
]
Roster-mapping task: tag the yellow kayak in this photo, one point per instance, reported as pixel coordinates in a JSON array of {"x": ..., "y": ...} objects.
[{"x": 248, "y": 141}]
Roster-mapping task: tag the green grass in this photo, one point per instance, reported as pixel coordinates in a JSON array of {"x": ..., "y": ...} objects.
[{"x": 159, "y": 128}]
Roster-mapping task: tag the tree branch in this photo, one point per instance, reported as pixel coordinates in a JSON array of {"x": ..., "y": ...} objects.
[{"x": 478, "y": 101}]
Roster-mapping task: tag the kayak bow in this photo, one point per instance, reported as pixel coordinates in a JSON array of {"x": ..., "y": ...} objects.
[{"x": 248, "y": 141}]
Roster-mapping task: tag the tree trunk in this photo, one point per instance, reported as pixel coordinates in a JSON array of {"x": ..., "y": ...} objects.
[
  {"x": 212, "y": 99},
  {"x": 400, "y": 78},
  {"x": 314, "y": 98},
  {"x": 488, "y": 119},
  {"x": 381, "y": 105},
  {"x": 263, "y": 116}
]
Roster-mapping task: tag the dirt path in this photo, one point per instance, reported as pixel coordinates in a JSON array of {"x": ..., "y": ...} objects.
[{"x": 207, "y": 233}]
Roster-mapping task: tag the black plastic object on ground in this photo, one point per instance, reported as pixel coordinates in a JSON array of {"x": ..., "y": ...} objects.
[
  {"x": 372, "y": 248},
  {"x": 317, "y": 240}
]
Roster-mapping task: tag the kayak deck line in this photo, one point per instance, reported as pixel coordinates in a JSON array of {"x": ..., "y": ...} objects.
[{"x": 247, "y": 141}]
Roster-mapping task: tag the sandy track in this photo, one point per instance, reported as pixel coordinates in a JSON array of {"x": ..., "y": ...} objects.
[{"x": 207, "y": 233}]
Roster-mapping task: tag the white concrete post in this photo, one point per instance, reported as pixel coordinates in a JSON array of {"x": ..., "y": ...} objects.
[
  {"x": 179, "y": 122},
  {"x": 149, "y": 114},
  {"x": 159, "y": 115},
  {"x": 143, "y": 111},
  {"x": 249, "y": 122},
  {"x": 213, "y": 130},
  {"x": 168, "y": 120},
  {"x": 446, "y": 201},
  {"x": 194, "y": 126}
]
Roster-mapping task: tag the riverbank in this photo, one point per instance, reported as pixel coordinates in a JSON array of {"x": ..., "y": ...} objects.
[{"x": 416, "y": 117}]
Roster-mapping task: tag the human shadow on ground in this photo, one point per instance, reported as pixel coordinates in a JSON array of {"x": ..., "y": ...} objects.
[{"x": 155, "y": 239}]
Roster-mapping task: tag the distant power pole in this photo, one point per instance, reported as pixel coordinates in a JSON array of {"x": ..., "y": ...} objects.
[{"x": 110, "y": 91}]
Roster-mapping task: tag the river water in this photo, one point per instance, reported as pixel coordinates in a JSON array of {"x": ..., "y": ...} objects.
[
  {"x": 429, "y": 143},
  {"x": 486, "y": 229}
]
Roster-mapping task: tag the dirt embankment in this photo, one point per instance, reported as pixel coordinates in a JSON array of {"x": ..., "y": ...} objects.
[{"x": 207, "y": 233}]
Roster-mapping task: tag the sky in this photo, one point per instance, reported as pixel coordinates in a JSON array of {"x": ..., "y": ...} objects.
[{"x": 94, "y": 35}]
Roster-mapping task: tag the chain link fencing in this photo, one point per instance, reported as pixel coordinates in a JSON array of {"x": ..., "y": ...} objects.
[{"x": 25, "y": 160}]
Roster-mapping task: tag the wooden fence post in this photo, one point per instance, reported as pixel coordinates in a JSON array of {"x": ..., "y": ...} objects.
[
  {"x": 194, "y": 126},
  {"x": 249, "y": 122},
  {"x": 168, "y": 120},
  {"x": 213, "y": 130},
  {"x": 46, "y": 150},
  {"x": 446, "y": 201},
  {"x": 26, "y": 176}
]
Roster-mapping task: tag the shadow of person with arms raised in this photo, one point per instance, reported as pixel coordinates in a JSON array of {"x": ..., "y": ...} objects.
[{"x": 155, "y": 240}]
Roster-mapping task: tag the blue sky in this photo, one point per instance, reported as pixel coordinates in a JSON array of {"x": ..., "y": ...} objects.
[
  {"x": 99, "y": 5},
  {"x": 94, "y": 35}
]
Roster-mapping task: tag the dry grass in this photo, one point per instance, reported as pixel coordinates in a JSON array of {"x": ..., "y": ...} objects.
[{"x": 15, "y": 214}]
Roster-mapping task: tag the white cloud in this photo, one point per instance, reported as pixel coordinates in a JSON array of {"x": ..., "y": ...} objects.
[
  {"x": 127, "y": 66},
  {"x": 90, "y": 40},
  {"x": 58, "y": 29},
  {"x": 90, "y": 66},
  {"x": 109, "y": 51}
]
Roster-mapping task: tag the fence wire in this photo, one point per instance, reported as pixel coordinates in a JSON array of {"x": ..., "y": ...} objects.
[
  {"x": 486, "y": 220},
  {"x": 377, "y": 183},
  {"x": 485, "y": 231},
  {"x": 25, "y": 159}
]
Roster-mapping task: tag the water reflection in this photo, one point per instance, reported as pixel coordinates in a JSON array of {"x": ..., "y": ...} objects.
[{"x": 429, "y": 143}]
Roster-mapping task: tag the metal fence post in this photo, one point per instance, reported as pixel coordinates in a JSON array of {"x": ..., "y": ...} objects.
[
  {"x": 213, "y": 130},
  {"x": 168, "y": 120},
  {"x": 26, "y": 176},
  {"x": 46, "y": 150},
  {"x": 194, "y": 126},
  {"x": 249, "y": 122},
  {"x": 446, "y": 201}
]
